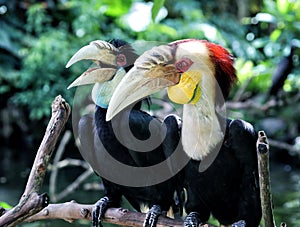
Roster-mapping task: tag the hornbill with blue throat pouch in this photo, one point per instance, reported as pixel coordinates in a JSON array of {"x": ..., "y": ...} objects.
[
  {"x": 221, "y": 177},
  {"x": 101, "y": 147}
]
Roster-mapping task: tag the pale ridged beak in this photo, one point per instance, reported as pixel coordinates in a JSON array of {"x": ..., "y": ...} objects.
[
  {"x": 152, "y": 71},
  {"x": 93, "y": 75},
  {"x": 98, "y": 51}
]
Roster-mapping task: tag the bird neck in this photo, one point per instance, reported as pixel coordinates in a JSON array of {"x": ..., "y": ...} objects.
[
  {"x": 102, "y": 92},
  {"x": 201, "y": 129}
]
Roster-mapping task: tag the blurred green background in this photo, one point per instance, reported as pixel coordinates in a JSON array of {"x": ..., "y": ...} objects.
[{"x": 37, "y": 38}]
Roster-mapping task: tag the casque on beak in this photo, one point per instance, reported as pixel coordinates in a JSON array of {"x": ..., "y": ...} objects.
[
  {"x": 152, "y": 71},
  {"x": 97, "y": 51},
  {"x": 190, "y": 70}
]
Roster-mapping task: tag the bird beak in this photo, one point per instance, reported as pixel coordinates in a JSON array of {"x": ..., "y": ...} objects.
[
  {"x": 152, "y": 71},
  {"x": 97, "y": 51}
]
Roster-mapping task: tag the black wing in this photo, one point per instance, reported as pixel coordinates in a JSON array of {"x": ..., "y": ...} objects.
[{"x": 242, "y": 140}]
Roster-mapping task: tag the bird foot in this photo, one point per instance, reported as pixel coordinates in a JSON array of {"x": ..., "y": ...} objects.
[
  {"x": 192, "y": 220},
  {"x": 152, "y": 216},
  {"x": 99, "y": 211},
  {"x": 240, "y": 223}
]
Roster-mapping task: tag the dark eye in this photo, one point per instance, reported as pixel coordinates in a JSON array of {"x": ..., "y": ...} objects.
[
  {"x": 183, "y": 64},
  {"x": 121, "y": 60}
]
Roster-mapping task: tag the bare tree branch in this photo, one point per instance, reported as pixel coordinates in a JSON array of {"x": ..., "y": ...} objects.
[
  {"x": 30, "y": 202},
  {"x": 57, "y": 164},
  {"x": 57, "y": 157},
  {"x": 71, "y": 211},
  {"x": 75, "y": 184},
  {"x": 241, "y": 91},
  {"x": 33, "y": 207},
  {"x": 283, "y": 145},
  {"x": 250, "y": 104},
  {"x": 67, "y": 162},
  {"x": 236, "y": 104},
  {"x": 262, "y": 146}
]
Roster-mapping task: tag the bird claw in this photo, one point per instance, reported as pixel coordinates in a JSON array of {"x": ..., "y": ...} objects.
[
  {"x": 192, "y": 220},
  {"x": 240, "y": 223},
  {"x": 152, "y": 216},
  {"x": 99, "y": 211}
]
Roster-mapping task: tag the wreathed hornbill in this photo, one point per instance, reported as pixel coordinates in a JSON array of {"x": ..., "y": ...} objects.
[
  {"x": 221, "y": 177},
  {"x": 108, "y": 147},
  {"x": 282, "y": 71}
]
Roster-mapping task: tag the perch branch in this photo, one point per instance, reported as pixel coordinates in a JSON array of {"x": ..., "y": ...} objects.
[
  {"x": 57, "y": 157},
  {"x": 264, "y": 179},
  {"x": 238, "y": 95},
  {"x": 250, "y": 104},
  {"x": 31, "y": 202},
  {"x": 236, "y": 104},
  {"x": 283, "y": 145},
  {"x": 71, "y": 211},
  {"x": 73, "y": 186},
  {"x": 33, "y": 207},
  {"x": 70, "y": 162}
]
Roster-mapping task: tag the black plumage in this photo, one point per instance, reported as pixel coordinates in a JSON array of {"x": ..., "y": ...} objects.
[
  {"x": 101, "y": 142},
  {"x": 281, "y": 73},
  {"x": 229, "y": 188}
]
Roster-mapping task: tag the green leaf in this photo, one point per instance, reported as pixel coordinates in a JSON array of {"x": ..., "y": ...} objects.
[
  {"x": 157, "y": 4},
  {"x": 116, "y": 8},
  {"x": 283, "y": 6},
  {"x": 4, "y": 89},
  {"x": 296, "y": 9},
  {"x": 5, "y": 205},
  {"x": 275, "y": 35}
]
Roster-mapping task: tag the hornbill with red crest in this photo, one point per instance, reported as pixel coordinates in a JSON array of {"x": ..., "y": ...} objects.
[
  {"x": 221, "y": 177},
  {"x": 103, "y": 149}
]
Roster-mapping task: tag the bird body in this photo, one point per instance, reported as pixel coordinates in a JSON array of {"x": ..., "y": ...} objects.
[
  {"x": 108, "y": 147},
  {"x": 228, "y": 188},
  {"x": 106, "y": 143},
  {"x": 221, "y": 177},
  {"x": 281, "y": 73}
]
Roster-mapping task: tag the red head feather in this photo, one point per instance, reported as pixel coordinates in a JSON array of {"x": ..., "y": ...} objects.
[{"x": 225, "y": 71}]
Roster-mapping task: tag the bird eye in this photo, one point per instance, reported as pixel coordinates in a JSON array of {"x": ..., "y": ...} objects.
[
  {"x": 121, "y": 60},
  {"x": 183, "y": 64}
]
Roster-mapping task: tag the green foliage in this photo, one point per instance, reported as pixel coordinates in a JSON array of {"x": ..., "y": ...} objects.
[
  {"x": 157, "y": 4},
  {"x": 39, "y": 50},
  {"x": 117, "y": 8},
  {"x": 286, "y": 14},
  {"x": 274, "y": 30},
  {"x": 5, "y": 205},
  {"x": 37, "y": 19},
  {"x": 34, "y": 71},
  {"x": 35, "y": 53}
]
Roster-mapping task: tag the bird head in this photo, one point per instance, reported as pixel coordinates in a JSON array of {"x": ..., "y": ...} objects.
[
  {"x": 112, "y": 60},
  {"x": 197, "y": 74},
  {"x": 186, "y": 67}
]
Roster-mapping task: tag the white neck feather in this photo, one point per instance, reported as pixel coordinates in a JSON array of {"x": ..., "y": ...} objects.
[{"x": 201, "y": 130}]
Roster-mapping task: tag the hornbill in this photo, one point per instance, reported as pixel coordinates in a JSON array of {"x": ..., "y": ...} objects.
[
  {"x": 221, "y": 177},
  {"x": 281, "y": 73},
  {"x": 118, "y": 161}
]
